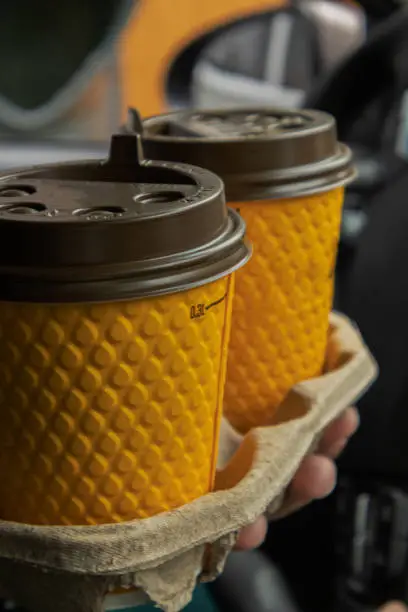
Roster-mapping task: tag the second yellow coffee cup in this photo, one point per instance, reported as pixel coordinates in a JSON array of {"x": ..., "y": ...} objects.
[{"x": 284, "y": 172}]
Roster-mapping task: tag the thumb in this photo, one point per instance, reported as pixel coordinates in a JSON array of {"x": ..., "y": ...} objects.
[{"x": 394, "y": 606}]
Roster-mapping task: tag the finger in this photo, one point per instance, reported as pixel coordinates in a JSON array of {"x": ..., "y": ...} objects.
[
  {"x": 394, "y": 606},
  {"x": 335, "y": 451},
  {"x": 315, "y": 479},
  {"x": 253, "y": 535},
  {"x": 341, "y": 429}
]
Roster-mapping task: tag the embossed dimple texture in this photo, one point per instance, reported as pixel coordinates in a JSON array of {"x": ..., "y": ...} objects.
[
  {"x": 110, "y": 412},
  {"x": 283, "y": 298}
]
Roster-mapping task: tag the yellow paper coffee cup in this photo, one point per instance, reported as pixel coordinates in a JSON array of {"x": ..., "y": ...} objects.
[
  {"x": 115, "y": 308},
  {"x": 284, "y": 172}
]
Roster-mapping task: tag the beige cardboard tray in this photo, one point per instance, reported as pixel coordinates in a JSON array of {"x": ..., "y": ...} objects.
[{"x": 70, "y": 569}]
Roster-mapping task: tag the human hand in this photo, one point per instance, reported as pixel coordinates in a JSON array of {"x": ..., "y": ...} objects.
[
  {"x": 394, "y": 606},
  {"x": 315, "y": 478}
]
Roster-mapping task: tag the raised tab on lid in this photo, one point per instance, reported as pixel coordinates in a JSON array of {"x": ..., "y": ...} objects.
[{"x": 113, "y": 229}]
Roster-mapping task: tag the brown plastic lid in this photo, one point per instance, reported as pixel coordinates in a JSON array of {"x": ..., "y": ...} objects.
[
  {"x": 259, "y": 153},
  {"x": 115, "y": 229}
]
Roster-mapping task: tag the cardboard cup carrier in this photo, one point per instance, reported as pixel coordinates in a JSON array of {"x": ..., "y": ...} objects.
[{"x": 116, "y": 295}]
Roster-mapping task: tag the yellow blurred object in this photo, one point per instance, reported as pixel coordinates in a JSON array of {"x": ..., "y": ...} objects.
[
  {"x": 283, "y": 298},
  {"x": 158, "y": 31},
  {"x": 116, "y": 54},
  {"x": 110, "y": 412}
]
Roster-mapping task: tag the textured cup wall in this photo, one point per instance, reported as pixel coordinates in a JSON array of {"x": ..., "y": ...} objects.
[
  {"x": 110, "y": 412},
  {"x": 283, "y": 298}
]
